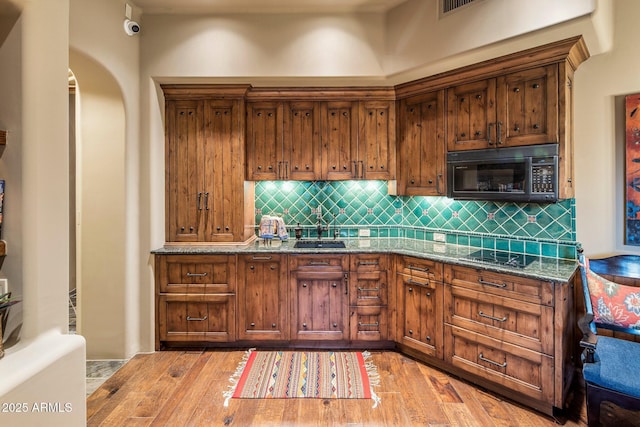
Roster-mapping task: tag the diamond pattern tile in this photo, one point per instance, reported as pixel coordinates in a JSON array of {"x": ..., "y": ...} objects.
[{"x": 538, "y": 229}]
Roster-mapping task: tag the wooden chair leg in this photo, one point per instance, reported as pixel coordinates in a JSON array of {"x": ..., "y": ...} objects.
[{"x": 594, "y": 399}]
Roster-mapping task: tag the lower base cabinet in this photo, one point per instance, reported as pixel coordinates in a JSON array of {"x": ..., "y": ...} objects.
[
  {"x": 510, "y": 334},
  {"x": 196, "y": 318}
]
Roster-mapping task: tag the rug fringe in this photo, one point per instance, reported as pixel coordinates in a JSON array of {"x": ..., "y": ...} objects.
[
  {"x": 236, "y": 377},
  {"x": 374, "y": 377}
]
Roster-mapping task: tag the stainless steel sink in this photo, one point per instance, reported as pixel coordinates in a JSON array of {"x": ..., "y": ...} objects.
[{"x": 317, "y": 244}]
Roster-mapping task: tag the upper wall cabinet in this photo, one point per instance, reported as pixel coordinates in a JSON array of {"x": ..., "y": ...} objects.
[
  {"x": 515, "y": 109},
  {"x": 205, "y": 193},
  {"x": 421, "y": 145},
  {"x": 283, "y": 140},
  {"x": 320, "y": 134}
]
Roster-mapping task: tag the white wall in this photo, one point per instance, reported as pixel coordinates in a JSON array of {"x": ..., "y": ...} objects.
[
  {"x": 601, "y": 84},
  {"x": 34, "y": 370},
  {"x": 105, "y": 62}
]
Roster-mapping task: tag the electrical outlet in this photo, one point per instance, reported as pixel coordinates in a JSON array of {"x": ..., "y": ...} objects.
[
  {"x": 364, "y": 232},
  {"x": 4, "y": 286},
  {"x": 439, "y": 237}
]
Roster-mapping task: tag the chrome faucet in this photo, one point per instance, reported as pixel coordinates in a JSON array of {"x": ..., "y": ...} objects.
[{"x": 320, "y": 228}]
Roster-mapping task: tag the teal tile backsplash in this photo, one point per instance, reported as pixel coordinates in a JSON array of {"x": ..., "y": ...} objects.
[{"x": 537, "y": 229}]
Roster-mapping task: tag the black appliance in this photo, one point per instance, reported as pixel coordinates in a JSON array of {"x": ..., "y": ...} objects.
[
  {"x": 502, "y": 258},
  {"x": 518, "y": 174}
]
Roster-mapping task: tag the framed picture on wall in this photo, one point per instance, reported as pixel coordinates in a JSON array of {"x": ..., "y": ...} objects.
[{"x": 632, "y": 169}]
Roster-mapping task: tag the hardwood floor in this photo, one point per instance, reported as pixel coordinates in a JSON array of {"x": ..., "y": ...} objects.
[{"x": 184, "y": 388}]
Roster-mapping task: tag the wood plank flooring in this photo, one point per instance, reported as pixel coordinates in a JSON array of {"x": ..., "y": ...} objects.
[{"x": 185, "y": 388}]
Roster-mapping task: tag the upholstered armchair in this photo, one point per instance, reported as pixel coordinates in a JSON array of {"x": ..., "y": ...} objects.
[{"x": 611, "y": 366}]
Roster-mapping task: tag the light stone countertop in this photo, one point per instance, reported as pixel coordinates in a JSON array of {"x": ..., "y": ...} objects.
[{"x": 544, "y": 268}]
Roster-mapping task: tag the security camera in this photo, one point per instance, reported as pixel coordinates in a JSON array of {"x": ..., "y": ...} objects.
[{"x": 131, "y": 27}]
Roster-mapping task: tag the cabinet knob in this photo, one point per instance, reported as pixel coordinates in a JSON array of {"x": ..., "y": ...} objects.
[
  {"x": 430, "y": 181},
  {"x": 428, "y": 338},
  {"x": 259, "y": 168},
  {"x": 333, "y": 285},
  {"x": 410, "y": 289},
  {"x": 307, "y": 167},
  {"x": 344, "y": 167},
  {"x": 252, "y": 267},
  {"x": 516, "y": 128},
  {"x": 226, "y": 228},
  {"x": 335, "y": 325},
  {"x": 535, "y": 85},
  {"x": 463, "y": 134},
  {"x": 462, "y": 99},
  {"x": 410, "y": 331},
  {"x": 190, "y": 228},
  {"x": 371, "y": 167},
  {"x": 304, "y": 325},
  {"x": 478, "y": 133},
  {"x": 218, "y": 228},
  {"x": 253, "y": 324},
  {"x": 536, "y": 126},
  {"x": 273, "y": 325},
  {"x": 273, "y": 267},
  {"x": 428, "y": 294},
  {"x": 296, "y": 167},
  {"x": 181, "y": 228},
  {"x": 478, "y": 96},
  {"x": 516, "y": 89},
  {"x": 333, "y": 167},
  {"x": 270, "y": 167},
  {"x": 413, "y": 181},
  {"x": 304, "y": 285}
]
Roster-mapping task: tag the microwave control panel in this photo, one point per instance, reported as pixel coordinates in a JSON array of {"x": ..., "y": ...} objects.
[{"x": 543, "y": 178}]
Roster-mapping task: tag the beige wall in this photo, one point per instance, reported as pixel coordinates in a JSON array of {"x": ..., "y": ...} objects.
[{"x": 601, "y": 85}]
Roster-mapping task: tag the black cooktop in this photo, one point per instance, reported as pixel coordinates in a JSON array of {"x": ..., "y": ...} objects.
[{"x": 507, "y": 259}]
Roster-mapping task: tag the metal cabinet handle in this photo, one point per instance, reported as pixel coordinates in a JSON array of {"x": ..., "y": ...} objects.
[
  {"x": 368, "y": 324},
  {"x": 499, "y": 132},
  {"x": 499, "y": 365},
  {"x": 413, "y": 267},
  {"x": 206, "y": 200},
  {"x": 495, "y": 285},
  {"x": 196, "y": 319},
  {"x": 368, "y": 262},
  {"x": 498, "y": 319},
  {"x": 261, "y": 258},
  {"x": 196, "y": 274},
  {"x": 368, "y": 289},
  {"x": 489, "y": 126},
  {"x": 198, "y": 201},
  {"x": 319, "y": 263},
  {"x": 413, "y": 282}
]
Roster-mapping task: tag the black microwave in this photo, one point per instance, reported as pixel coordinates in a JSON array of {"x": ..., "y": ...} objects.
[{"x": 516, "y": 174}]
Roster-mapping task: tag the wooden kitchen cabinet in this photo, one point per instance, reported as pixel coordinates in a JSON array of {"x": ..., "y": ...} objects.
[
  {"x": 195, "y": 298},
  {"x": 358, "y": 140},
  {"x": 422, "y": 146},
  {"x": 511, "y": 331},
  {"x": 376, "y": 155},
  {"x": 369, "y": 297},
  {"x": 206, "y": 199},
  {"x": 262, "y": 297},
  {"x": 283, "y": 140},
  {"x": 419, "y": 292},
  {"x": 319, "y": 291},
  {"x": 339, "y": 140},
  {"x": 515, "y": 109}
]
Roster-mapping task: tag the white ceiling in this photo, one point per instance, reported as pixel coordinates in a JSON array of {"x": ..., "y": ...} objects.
[{"x": 263, "y": 6}]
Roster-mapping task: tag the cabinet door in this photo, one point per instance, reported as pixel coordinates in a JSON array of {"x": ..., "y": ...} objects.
[
  {"x": 319, "y": 306},
  {"x": 262, "y": 297},
  {"x": 221, "y": 201},
  {"x": 528, "y": 106},
  {"x": 301, "y": 156},
  {"x": 422, "y": 147},
  {"x": 369, "y": 323},
  {"x": 264, "y": 140},
  {"x": 471, "y": 116},
  {"x": 339, "y": 140},
  {"x": 421, "y": 315},
  {"x": 188, "y": 318},
  {"x": 184, "y": 182},
  {"x": 376, "y": 140}
]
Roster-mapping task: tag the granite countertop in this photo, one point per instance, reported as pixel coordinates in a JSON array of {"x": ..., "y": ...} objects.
[{"x": 540, "y": 268}]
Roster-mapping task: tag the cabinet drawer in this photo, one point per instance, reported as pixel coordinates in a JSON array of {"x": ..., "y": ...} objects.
[
  {"x": 368, "y": 323},
  {"x": 521, "y": 370},
  {"x": 206, "y": 318},
  {"x": 521, "y": 323},
  {"x": 314, "y": 262},
  {"x": 369, "y": 262},
  {"x": 516, "y": 287},
  {"x": 369, "y": 288},
  {"x": 418, "y": 267},
  {"x": 196, "y": 273}
]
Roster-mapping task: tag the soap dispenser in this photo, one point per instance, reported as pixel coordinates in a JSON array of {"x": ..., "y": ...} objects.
[{"x": 298, "y": 231}]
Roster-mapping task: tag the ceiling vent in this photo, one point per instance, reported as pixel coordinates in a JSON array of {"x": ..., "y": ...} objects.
[{"x": 448, "y": 6}]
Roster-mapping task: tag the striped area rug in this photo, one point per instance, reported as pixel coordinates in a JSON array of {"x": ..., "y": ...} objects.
[{"x": 304, "y": 374}]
